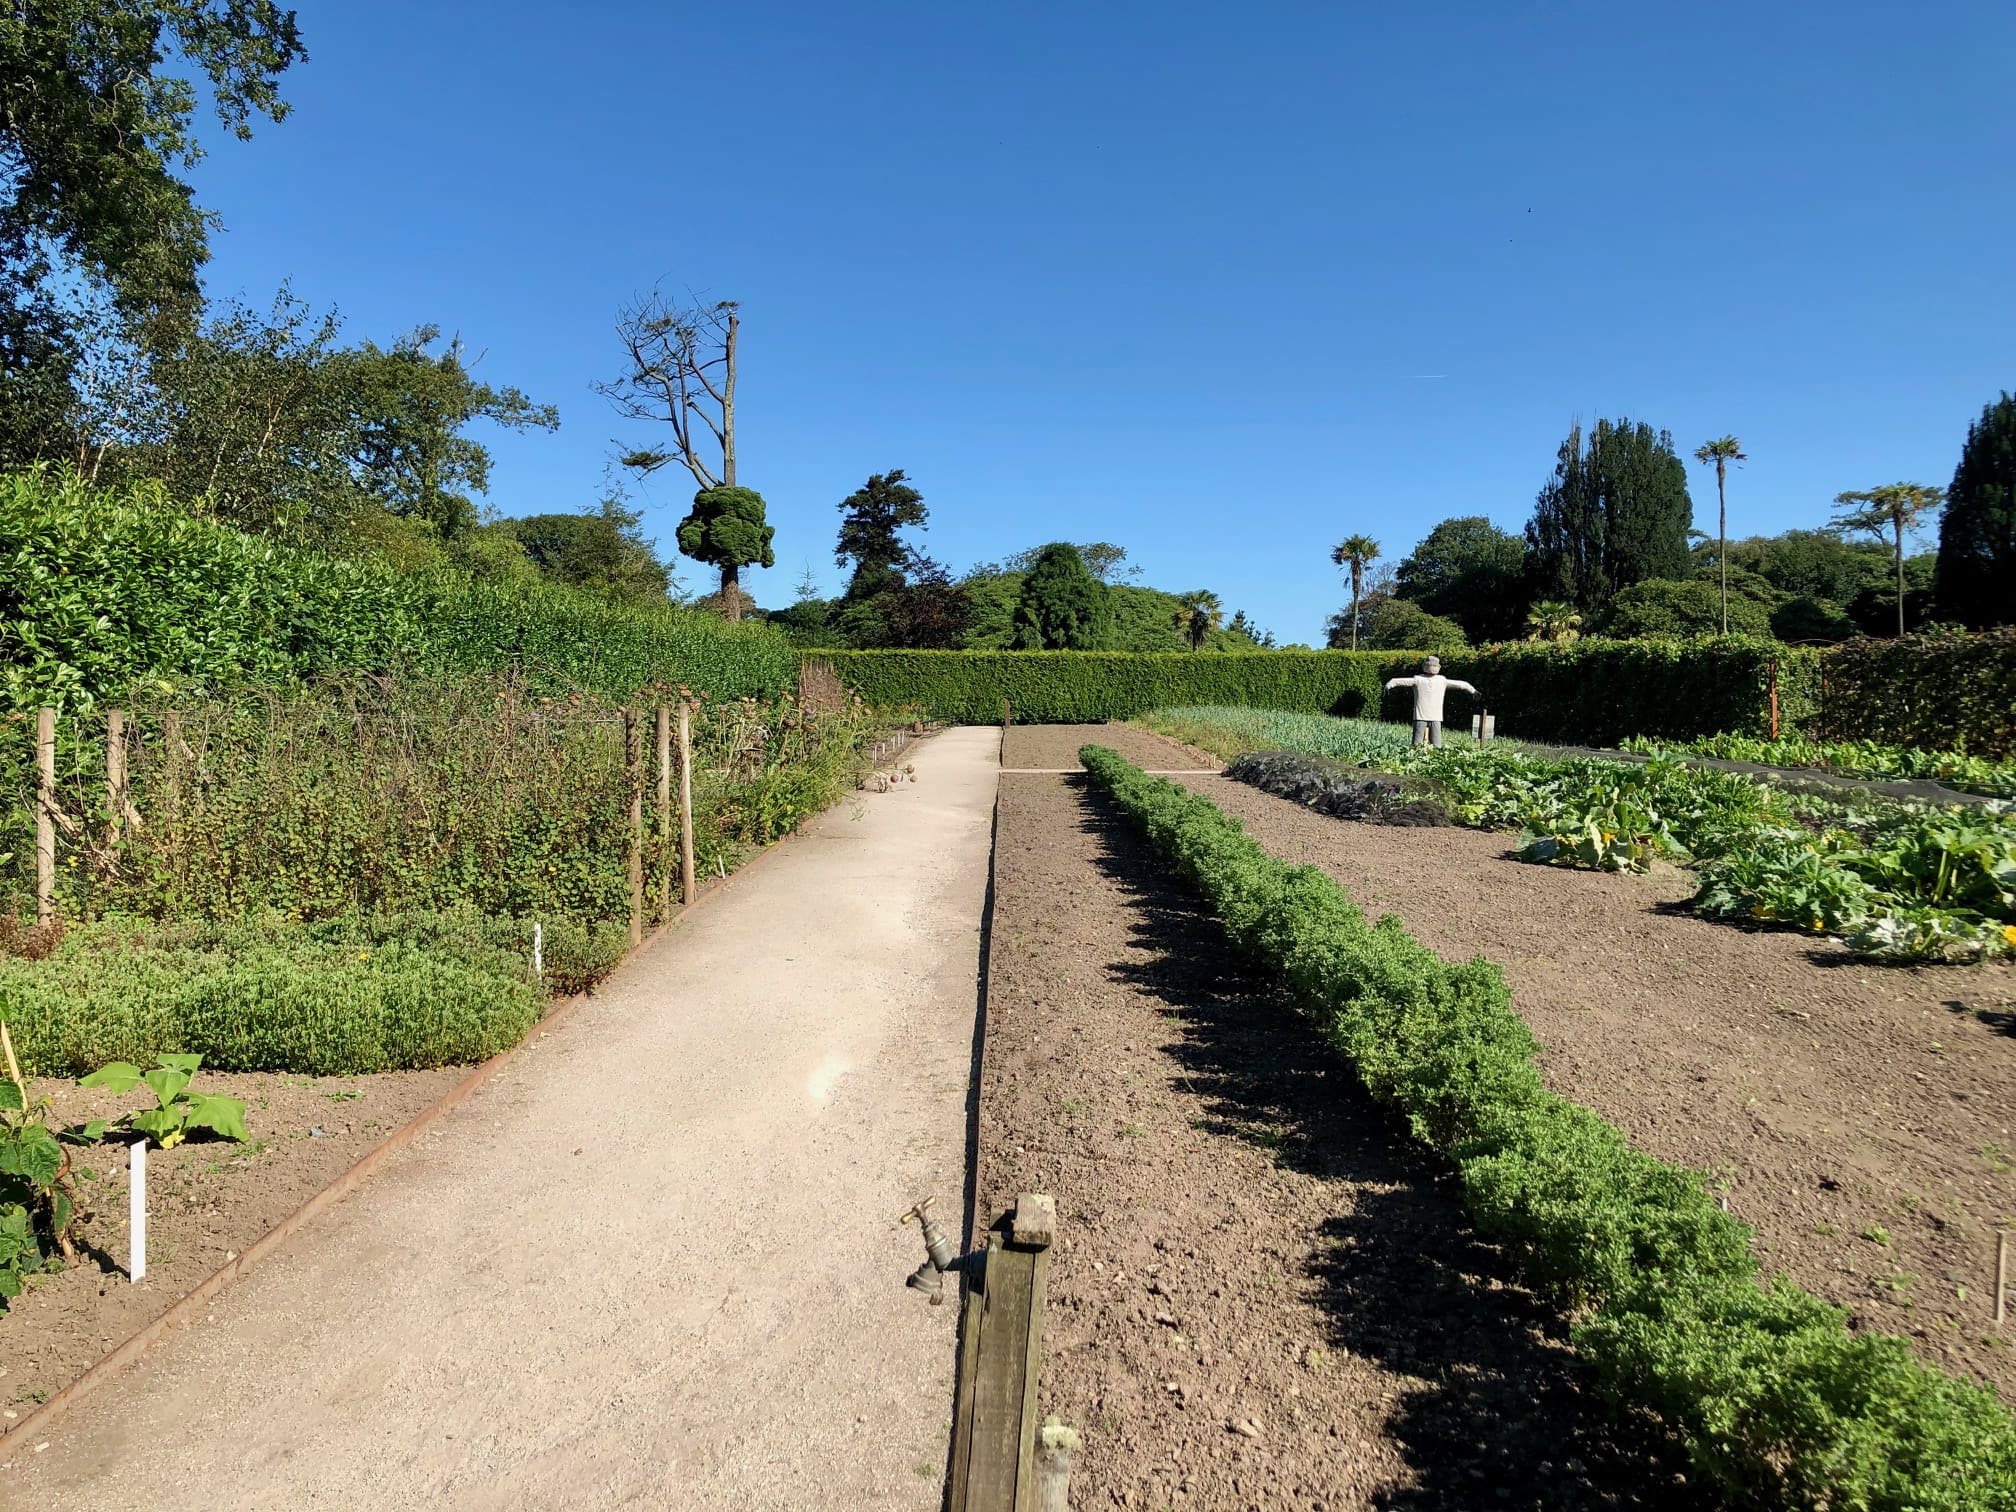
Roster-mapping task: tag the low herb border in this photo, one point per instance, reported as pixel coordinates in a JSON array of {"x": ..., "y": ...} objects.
[{"x": 1775, "y": 1399}]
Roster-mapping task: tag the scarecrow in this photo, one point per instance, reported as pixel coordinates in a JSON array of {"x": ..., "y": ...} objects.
[{"x": 1428, "y": 690}]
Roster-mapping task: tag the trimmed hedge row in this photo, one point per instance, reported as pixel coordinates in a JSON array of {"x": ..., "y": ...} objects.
[
  {"x": 1933, "y": 692},
  {"x": 1597, "y": 692},
  {"x": 1774, "y": 1397},
  {"x": 1089, "y": 687},
  {"x": 106, "y": 595},
  {"x": 1588, "y": 691}
]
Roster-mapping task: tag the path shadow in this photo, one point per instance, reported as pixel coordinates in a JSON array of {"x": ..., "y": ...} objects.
[{"x": 1510, "y": 1417}]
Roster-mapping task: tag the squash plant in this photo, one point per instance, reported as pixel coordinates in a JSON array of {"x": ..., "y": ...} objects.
[
  {"x": 36, "y": 1195},
  {"x": 177, "y": 1110}
]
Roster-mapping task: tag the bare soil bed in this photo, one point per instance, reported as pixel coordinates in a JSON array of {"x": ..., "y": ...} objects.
[
  {"x": 1862, "y": 1118},
  {"x": 1055, "y": 748},
  {"x": 207, "y": 1200},
  {"x": 1261, "y": 1296}
]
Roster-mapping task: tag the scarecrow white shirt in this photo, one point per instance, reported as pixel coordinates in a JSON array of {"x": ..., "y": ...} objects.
[{"x": 1428, "y": 691}]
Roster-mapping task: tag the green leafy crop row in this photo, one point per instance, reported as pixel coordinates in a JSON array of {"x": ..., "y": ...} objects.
[
  {"x": 1859, "y": 758},
  {"x": 341, "y": 998},
  {"x": 1774, "y": 1397},
  {"x": 1899, "y": 883}
]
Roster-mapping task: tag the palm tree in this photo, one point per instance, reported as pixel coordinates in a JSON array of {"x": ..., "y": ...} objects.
[
  {"x": 1890, "y": 510},
  {"x": 1722, "y": 452},
  {"x": 1552, "y": 620},
  {"x": 1357, "y": 552},
  {"x": 1197, "y": 615}
]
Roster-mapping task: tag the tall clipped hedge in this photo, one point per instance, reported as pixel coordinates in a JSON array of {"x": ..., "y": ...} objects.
[
  {"x": 1596, "y": 692},
  {"x": 115, "y": 595},
  {"x": 1588, "y": 691},
  {"x": 1931, "y": 691},
  {"x": 1086, "y": 687},
  {"x": 1775, "y": 1399}
]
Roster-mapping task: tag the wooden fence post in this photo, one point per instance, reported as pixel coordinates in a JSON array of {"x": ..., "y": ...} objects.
[
  {"x": 633, "y": 783},
  {"x": 117, "y": 804},
  {"x": 45, "y": 814},
  {"x": 1774, "y": 698},
  {"x": 664, "y": 813},
  {"x": 685, "y": 805},
  {"x": 1000, "y": 1355}
]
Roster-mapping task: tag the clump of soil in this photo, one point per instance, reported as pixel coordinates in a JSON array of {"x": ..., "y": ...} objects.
[
  {"x": 1330, "y": 787},
  {"x": 208, "y": 1200},
  {"x": 1262, "y": 1294}
]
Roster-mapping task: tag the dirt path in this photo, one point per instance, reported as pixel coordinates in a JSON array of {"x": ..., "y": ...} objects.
[
  {"x": 1260, "y": 1298},
  {"x": 654, "y": 1263},
  {"x": 1863, "y": 1118}
]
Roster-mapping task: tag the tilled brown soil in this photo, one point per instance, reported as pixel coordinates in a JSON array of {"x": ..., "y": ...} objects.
[
  {"x": 207, "y": 1200},
  {"x": 1260, "y": 1296},
  {"x": 1862, "y": 1118},
  {"x": 1055, "y": 747}
]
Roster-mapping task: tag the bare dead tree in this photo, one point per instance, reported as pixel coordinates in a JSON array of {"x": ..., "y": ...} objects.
[{"x": 681, "y": 373}]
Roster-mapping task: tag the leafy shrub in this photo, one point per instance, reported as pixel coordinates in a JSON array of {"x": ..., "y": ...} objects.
[
  {"x": 266, "y": 996},
  {"x": 1774, "y": 1397}
]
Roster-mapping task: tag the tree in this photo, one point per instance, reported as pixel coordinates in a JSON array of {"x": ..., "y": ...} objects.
[
  {"x": 927, "y": 611},
  {"x": 408, "y": 409},
  {"x": 1892, "y": 510},
  {"x": 726, "y": 530},
  {"x": 1104, "y": 560},
  {"x": 1690, "y": 606},
  {"x": 870, "y": 518},
  {"x": 1615, "y": 512},
  {"x": 92, "y": 131},
  {"x": 680, "y": 372},
  {"x": 1468, "y": 570},
  {"x": 1398, "y": 624},
  {"x": 599, "y": 549},
  {"x": 1355, "y": 552},
  {"x": 1553, "y": 620},
  {"x": 1244, "y": 625},
  {"x": 1062, "y": 606},
  {"x": 1197, "y": 615},
  {"x": 1977, "y": 534},
  {"x": 1722, "y": 451},
  {"x": 1814, "y": 564}
]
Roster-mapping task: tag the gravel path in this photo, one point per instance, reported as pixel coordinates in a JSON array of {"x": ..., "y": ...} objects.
[{"x": 655, "y": 1262}]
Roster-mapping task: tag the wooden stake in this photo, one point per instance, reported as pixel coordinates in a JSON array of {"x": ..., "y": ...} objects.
[
  {"x": 664, "y": 813},
  {"x": 45, "y": 815},
  {"x": 116, "y": 801},
  {"x": 686, "y": 883},
  {"x": 1774, "y": 698},
  {"x": 633, "y": 782}
]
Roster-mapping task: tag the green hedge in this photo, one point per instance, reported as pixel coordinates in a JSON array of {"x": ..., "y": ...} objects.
[
  {"x": 108, "y": 595},
  {"x": 1932, "y": 692},
  {"x": 342, "y": 998},
  {"x": 1597, "y": 692},
  {"x": 1590, "y": 691},
  {"x": 1088, "y": 687},
  {"x": 1774, "y": 1397}
]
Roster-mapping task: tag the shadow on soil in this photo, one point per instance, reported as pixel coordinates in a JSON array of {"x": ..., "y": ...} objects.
[{"x": 1509, "y": 1418}]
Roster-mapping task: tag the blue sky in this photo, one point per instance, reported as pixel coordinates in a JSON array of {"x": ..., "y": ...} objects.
[{"x": 1220, "y": 283}]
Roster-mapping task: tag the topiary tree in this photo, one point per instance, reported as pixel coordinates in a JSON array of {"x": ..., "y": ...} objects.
[
  {"x": 1062, "y": 607},
  {"x": 1976, "y": 582},
  {"x": 726, "y": 530}
]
